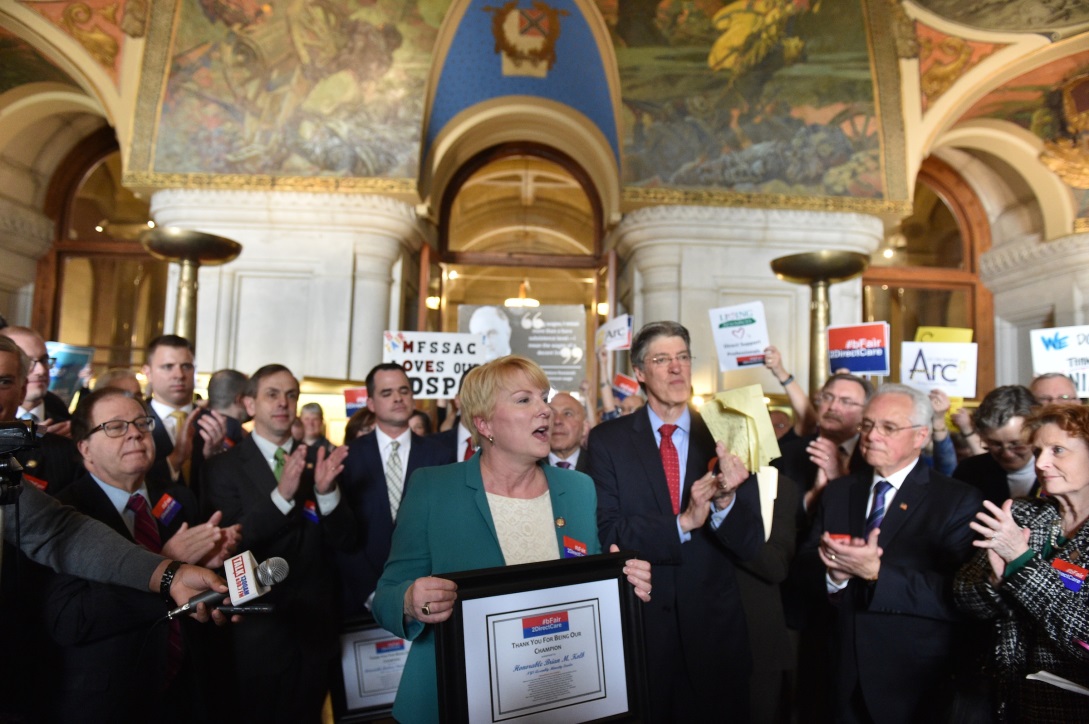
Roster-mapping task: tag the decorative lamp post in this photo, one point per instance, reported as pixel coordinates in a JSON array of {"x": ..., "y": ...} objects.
[
  {"x": 191, "y": 249},
  {"x": 818, "y": 269}
]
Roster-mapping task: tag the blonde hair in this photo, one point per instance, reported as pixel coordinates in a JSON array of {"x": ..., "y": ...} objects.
[{"x": 481, "y": 386}]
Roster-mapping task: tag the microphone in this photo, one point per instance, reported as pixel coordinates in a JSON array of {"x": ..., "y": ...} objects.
[{"x": 246, "y": 581}]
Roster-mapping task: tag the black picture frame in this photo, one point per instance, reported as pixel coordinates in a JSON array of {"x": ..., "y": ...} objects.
[
  {"x": 361, "y": 629},
  {"x": 532, "y": 577}
]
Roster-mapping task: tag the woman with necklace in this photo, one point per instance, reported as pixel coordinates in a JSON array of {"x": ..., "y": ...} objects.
[
  {"x": 1029, "y": 577},
  {"x": 499, "y": 508}
]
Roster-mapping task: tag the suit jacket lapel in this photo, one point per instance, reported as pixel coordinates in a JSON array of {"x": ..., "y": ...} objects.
[
  {"x": 163, "y": 444},
  {"x": 907, "y": 500},
  {"x": 646, "y": 449},
  {"x": 99, "y": 506},
  {"x": 856, "y": 505},
  {"x": 256, "y": 468},
  {"x": 475, "y": 482}
]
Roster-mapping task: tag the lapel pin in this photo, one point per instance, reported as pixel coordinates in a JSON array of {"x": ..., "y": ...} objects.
[
  {"x": 560, "y": 522},
  {"x": 903, "y": 506}
]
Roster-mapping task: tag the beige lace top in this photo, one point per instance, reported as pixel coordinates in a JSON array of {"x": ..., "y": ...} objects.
[{"x": 527, "y": 533}]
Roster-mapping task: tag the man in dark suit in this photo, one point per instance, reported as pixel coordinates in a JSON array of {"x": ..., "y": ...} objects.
[
  {"x": 183, "y": 440},
  {"x": 373, "y": 494},
  {"x": 883, "y": 552},
  {"x": 569, "y": 427},
  {"x": 1007, "y": 469},
  {"x": 114, "y": 663},
  {"x": 40, "y": 405},
  {"x": 656, "y": 496},
  {"x": 283, "y": 661},
  {"x": 833, "y": 451}
]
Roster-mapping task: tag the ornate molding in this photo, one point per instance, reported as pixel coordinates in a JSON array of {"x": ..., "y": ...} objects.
[
  {"x": 1020, "y": 263},
  {"x": 637, "y": 196},
  {"x": 25, "y": 231},
  {"x": 151, "y": 181}
]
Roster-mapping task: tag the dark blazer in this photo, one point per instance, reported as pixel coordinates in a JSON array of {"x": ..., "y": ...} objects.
[
  {"x": 111, "y": 655},
  {"x": 363, "y": 483},
  {"x": 984, "y": 474},
  {"x": 55, "y": 408},
  {"x": 160, "y": 470},
  {"x": 447, "y": 527},
  {"x": 695, "y": 617},
  {"x": 582, "y": 465},
  {"x": 895, "y": 639},
  {"x": 55, "y": 463},
  {"x": 795, "y": 464},
  {"x": 285, "y": 654},
  {"x": 448, "y": 439}
]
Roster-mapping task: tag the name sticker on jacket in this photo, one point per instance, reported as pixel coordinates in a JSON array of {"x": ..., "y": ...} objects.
[
  {"x": 310, "y": 510},
  {"x": 166, "y": 509},
  {"x": 573, "y": 548},
  {"x": 1073, "y": 576}
]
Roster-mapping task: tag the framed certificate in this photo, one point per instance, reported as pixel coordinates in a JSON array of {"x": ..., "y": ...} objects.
[
  {"x": 543, "y": 642},
  {"x": 371, "y": 662}
]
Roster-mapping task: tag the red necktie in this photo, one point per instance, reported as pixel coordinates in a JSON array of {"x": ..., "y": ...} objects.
[
  {"x": 672, "y": 465},
  {"x": 468, "y": 449},
  {"x": 146, "y": 533}
]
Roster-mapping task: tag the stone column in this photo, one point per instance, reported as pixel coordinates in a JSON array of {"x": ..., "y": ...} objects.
[
  {"x": 681, "y": 261},
  {"x": 311, "y": 289},
  {"x": 28, "y": 235}
]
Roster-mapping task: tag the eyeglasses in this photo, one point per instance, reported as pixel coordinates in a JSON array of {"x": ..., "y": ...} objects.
[
  {"x": 886, "y": 429},
  {"x": 828, "y": 398},
  {"x": 663, "y": 360},
  {"x": 118, "y": 428},
  {"x": 1047, "y": 400},
  {"x": 46, "y": 362}
]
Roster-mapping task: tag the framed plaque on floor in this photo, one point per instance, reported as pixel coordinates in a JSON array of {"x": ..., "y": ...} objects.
[{"x": 543, "y": 642}]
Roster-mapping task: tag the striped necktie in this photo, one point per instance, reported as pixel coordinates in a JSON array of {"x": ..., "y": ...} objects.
[
  {"x": 394, "y": 478},
  {"x": 877, "y": 507}
]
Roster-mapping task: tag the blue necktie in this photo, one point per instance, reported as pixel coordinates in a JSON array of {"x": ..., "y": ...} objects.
[{"x": 877, "y": 508}]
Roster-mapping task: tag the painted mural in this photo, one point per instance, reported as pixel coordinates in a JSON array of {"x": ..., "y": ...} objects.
[
  {"x": 751, "y": 96},
  {"x": 23, "y": 64},
  {"x": 1034, "y": 102},
  {"x": 99, "y": 26},
  {"x": 297, "y": 87},
  {"x": 1016, "y": 16}
]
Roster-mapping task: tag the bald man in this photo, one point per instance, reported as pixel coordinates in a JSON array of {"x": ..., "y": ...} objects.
[{"x": 569, "y": 428}]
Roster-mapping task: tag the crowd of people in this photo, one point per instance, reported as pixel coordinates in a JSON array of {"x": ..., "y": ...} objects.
[{"x": 917, "y": 564}]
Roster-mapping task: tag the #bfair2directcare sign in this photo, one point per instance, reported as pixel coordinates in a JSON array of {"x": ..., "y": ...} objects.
[{"x": 862, "y": 349}]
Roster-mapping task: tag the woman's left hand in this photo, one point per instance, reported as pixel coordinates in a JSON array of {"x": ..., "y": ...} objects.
[
  {"x": 638, "y": 573},
  {"x": 1001, "y": 534}
]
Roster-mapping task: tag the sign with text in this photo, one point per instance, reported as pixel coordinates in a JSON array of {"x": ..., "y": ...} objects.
[
  {"x": 863, "y": 349},
  {"x": 945, "y": 366},
  {"x": 624, "y": 385},
  {"x": 741, "y": 335},
  {"x": 1065, "y": 350},
  {"x": 553, "y": 336},
  {"x": 355, "y": 399},
  {"x": 615, "y": 334},
  {"x": 433, "y": 361}
]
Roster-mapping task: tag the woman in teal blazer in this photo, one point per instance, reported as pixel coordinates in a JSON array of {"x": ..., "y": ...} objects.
[{"x": 445, "y": 522}]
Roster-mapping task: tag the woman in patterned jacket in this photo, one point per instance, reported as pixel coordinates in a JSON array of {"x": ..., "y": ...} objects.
[{"x": 1029, "y": 578}]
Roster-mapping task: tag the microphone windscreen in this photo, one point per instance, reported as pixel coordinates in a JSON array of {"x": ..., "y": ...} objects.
[{"x": 272, "y": 571}]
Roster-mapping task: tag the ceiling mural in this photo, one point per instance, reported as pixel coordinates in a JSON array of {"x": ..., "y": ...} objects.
[
  {"x": 945, "y": 58},
  {"x": 751, "y": 96},
  {"x": 296, "y": 88},
  {"x": 1012, "y": 16},
  {"x": 99, "y": 26},
  {"x": 1034, "y": 101},
  {"x": 24, "y": 64}
]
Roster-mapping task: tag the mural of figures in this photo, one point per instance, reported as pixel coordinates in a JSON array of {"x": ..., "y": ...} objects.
[
  {"x": 297, "y": 87},
  {"x": 754, "y": 96}
]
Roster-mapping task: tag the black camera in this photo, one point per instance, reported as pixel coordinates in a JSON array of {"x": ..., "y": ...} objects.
[{"x": 15, "y": 436}]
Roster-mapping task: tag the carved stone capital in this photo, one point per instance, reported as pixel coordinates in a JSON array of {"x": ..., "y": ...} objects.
[
  {"x": 1018, "y": 264},
  {"x": 25, "y": 231}
]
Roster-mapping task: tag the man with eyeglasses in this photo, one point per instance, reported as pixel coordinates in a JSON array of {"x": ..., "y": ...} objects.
[
  {"x": 881, "y": 557},
  {"x": 1007, "y": 469},
  {"x": 1054, "y": 388},
  {"x": 117, "y": 661},
  {"x": 656, "y": 495},
  {"x": 40, "y": 405},
  {"x": 832, "y": 451}
]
